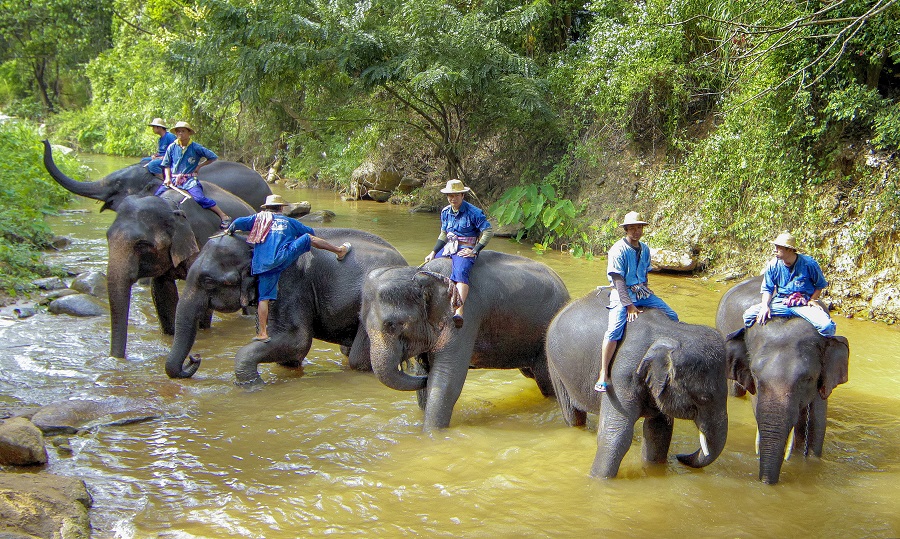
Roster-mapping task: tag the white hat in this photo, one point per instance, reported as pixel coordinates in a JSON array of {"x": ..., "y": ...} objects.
[
  {"x": 455, "y": 186},
  {"x": 274, "y": 200},
  {"x": 786, "y": 239},
  {"x": 184, "y": 125},
  {"x": 632, "y": 218},
  {"x": 158, "y": 122}
]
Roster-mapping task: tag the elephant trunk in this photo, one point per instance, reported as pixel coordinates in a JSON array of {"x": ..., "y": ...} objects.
[
  {"x": 187, "y": 316},
  {"x": 386, "y": 359},
  {"x": 713, "y": 433},
  {"x": 772, "y": 446},
  {"x": 119, "y": 285},
  {"x": 95, "y": 190}
]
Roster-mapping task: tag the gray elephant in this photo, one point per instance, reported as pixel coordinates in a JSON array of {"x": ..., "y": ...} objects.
[
  {"x": 661, "y": 370},
  {"x": 406, "y": 312},
  {"x": 242, "y": 181},
  {"x": 159, "y": 238},
  {"x": 790, "y": 368},
  {"x": 318, "y": 297}
]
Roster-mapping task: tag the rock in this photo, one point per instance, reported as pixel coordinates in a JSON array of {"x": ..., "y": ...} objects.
[
  {"x": 56, "y": 294},
  {"x": 506, "y": 231},
  {"x": 92, "y": 283},
  {"x": 21, "y": 443},
  {"x": 77, "y": 305},
  {"x": 318, "y": 216},
  {"x": 44, "y": 505},
  {"x": 49, "y": 283},
  {"x": 299, "y": 209},
  {"x": 74, "y": 415},
  {"x": 59, "y": 242},
  {"x": 25, "y": 311},
  {"x": 409, "y": 184},
  {"x": 666, "y": 260},
  {"x": 386, "y": 179},
  {"x": 379, "y": 196},
  {"x": 423, "y": 208}
]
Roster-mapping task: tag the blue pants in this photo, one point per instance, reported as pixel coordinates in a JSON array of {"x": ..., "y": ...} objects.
[
  {"x": 815, "y": 316},
  {"x": 460, "y": 268},
  {"x": 268, "y": 280},
  {"x": 152, "y": 165},
  {"x": 618, "y": 314},
  {"x": 196, "y": 191}
]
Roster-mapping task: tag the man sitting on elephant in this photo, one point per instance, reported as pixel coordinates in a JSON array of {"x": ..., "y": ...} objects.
[
  {"x": 627, "y": 268},
  {"x": 462, "y": 224},
  {"x": 792, "y": 284},
  {"x": 278, "y": 242},
  {"x": 154, "y": 163},
  {"x": 181, "y": 164}
]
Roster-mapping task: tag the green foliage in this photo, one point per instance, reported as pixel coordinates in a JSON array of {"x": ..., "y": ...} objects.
[
  {"x": 544, "y": 217},
  {"x": 27, "y": 194}
]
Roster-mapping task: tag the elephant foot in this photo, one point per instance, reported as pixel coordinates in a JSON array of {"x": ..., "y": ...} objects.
[{"x": 251, "y": 383}]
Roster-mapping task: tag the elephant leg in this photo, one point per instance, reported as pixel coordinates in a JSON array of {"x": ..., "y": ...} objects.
[
  {"x": 206, "y": 319},
  {"x": 538, "y": 371},
  {"x": 359, "y": 358},
  {"x": 573, "y": 416},
  {"x": 614, "y": 436},
  {"x": 165, "y": 299},
  {"x": 809, "y": 433},
  {"x": 657, "y": 438},
  {"x": 445, "y": 380},
  {"x": 286, "y": 349}
]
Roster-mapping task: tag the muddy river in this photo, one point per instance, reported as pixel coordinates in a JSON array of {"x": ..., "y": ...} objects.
[{"x": 329, "y": 451}]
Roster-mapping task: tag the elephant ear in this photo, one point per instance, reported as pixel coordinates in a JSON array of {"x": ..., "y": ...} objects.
[
  {"x": 737, "y": 361},
  {"x": 184, "y": 244},
  {"x": 835, "y": 365},
  {"x": 249, "y": 292},
  {"x": 435, "y": 297},
  {"x": 656, "y": 367}
]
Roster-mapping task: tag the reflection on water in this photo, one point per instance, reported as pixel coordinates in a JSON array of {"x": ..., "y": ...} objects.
[{"x": 327, "y": 450}]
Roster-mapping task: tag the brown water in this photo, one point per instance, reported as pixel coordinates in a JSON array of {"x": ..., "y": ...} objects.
[{"x": 332, "y": 451}]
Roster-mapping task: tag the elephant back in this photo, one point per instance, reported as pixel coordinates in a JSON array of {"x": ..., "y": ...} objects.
[
  {"x": 238, "y": 179},
  {"x": 730, "y": 314}
]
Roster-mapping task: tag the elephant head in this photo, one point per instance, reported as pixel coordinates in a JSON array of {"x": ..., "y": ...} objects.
[
  {"x": 791, "y": 369},
  {"x": 686, "y": 380},
  {"x": 112, "y": 189},
  {"x": 149, "y": 238},
  {"x": 405, "y": 312},
  {"x": 219, "y": 279}
]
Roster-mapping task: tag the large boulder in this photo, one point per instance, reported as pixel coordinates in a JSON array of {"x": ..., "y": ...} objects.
[
  {"x": 298, "y": 210},
  {"x": 92, "y": 283},
  {"x": 21, "y": 443},
  {"x": 78, "y": 305},
  {"x": 666, "y": 260},
  {"x": 74, "y": 415},
  {"x": 49, "y": 283},
  {"x": 44, "y": 505}
]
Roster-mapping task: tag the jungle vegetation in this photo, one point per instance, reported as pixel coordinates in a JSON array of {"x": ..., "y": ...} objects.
[{"x": 725, "y": 120}]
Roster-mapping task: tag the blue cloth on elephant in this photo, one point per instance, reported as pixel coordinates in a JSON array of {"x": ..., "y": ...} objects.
[
  {"x": 286, "y": 241},
  {"x": 632, "y": 265},
  {"x": 462, "y": 226}
]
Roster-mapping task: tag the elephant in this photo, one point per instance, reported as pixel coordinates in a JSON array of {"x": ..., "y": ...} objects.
[
  {"x": 159, "y": 238},
  {"x": 318, "y": 297},
  {"x": 661, "y": 370},
  {"x": 407, "y": 313},
  {"x": 242, "y": 181},
  {"x": 790, "y": 369}
]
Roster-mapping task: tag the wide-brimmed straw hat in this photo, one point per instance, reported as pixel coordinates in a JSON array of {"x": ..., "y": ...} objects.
[
  {"x": 455, "y": 186},
  {"x": 184, "y": 125},
  {"x": 273, "y": 201},
  {"x": 786, "y": 239},
  {"x": 632, "y": 218},
  {"x": 158, "y": 122}
]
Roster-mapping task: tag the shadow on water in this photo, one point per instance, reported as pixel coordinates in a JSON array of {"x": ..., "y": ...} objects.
[{"x": 332, "y": 451}]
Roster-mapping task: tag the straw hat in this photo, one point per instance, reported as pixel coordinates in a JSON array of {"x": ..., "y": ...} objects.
[
  {"x": 273, "y": 201},
  {"x": 786, "y": 239},
  {"x": 455, "y": 186},
  {"x": 184, "y": 125},
  {"x": 158, "y": 122},
  {"x": 632, "y": 218}
]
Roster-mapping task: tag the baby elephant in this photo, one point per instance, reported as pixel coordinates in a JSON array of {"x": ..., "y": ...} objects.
[{"x": 662, "y": 370}]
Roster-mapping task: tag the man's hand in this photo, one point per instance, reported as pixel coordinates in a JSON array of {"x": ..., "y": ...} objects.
[
  {"x": 430, "y": 256},
  {"x": 467, "y": 253},
  {"x": 632, "y": 312},
  {"x": 764, "y": 314}
]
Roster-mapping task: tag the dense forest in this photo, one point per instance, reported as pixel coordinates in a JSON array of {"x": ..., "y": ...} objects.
[{"x": 724, "y": 122}]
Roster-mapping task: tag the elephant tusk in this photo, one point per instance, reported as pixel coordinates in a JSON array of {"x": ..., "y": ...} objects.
[
  {"x": 757, "y": 442},
  {"x": 789, "y": 446},
  {"x": 703, "y": 445}
]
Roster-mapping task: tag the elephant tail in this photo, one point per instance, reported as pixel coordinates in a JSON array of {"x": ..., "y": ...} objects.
[{"x": 574, "y": 416}]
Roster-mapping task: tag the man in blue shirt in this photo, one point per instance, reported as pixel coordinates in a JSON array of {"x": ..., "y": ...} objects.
[
  {"x": 278, "y": 241},
  {"x": 181, "y": 163},
  {"x": 154, "y": 162},
  {"x": 627, "y": 266},
  {"x": 462, "y": 225},
  {"x": 792, "y": 284}
]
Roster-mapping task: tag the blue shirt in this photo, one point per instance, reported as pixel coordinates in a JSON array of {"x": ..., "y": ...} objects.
[
  {"x": 185, "y": 160},
  {"x": 163, "y": 145},
  {"x": 276, "y": 248},
  {"x": 805, "y": 277},
  {"x": 469, "y": 221},
  {"x": 623, "y": 260}
]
